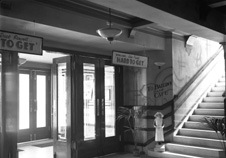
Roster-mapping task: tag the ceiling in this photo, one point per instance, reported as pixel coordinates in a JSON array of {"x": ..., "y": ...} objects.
[
  {"x": 86, "y": 16},
  {"x": 219, "y": 5},
  {"x": 46, "y": 58}
]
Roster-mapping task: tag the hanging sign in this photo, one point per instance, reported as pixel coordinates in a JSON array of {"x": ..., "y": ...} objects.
[
  {"x": 129, "y": 60},
  {"x": 20, "y": 43}
]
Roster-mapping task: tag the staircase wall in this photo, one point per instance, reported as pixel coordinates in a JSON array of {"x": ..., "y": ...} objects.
[
  {"x": 189, "y": 59},
  {"x": 194, "y": 138},
  {"x": 198, "y": 88}
]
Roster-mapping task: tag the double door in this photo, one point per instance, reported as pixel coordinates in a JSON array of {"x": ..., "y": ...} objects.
[
  {"x": 34, "y": 105},
  {"x": 88, "y": 126}
]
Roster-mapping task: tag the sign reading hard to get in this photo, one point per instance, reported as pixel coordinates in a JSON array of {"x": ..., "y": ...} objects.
[
  {"x": 129, "y": 60},
  {"x": 20, "y": 43}
]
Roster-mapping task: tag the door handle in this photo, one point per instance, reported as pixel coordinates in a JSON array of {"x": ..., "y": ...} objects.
[
  {"x": 74, "y": 145},
  {"x": 35, "y": 105},
  {"x": 102, "y": 106},
  {"x": 98, "y": 107}
]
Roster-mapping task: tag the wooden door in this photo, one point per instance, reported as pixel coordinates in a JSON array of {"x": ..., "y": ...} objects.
[
  {"x": 96, "y": 108},
  {"x": 62, "y": 107},
  {"x": 34, "y": 105}
]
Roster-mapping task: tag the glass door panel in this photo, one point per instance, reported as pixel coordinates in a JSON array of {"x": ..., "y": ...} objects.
[
  {"x": 62, "y": 111},
  {"x": 42, "y": 106},
  {"x": 34, "y": 105},
  {"x": 62, "y": 100},
  {"x": 41, "y": 101},
  {"x": 88, "y": 112},
  {"x": 89, "y": 84},
  {"x": 109, "y": 78},
  {"x": 24, "y": 101},
  {"x": 98, "y": 97}
]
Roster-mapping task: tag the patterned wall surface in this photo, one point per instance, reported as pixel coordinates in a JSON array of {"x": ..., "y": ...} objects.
[
  {"x": 188, "y": 60},
  {"x": 160, "y": 91},
  {"x": 135, "y": 86}
]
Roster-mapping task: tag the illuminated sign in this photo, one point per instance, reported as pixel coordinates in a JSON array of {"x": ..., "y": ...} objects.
[
  {"x": 20, "y": 43},
  {"x": 129, "y": 60}
]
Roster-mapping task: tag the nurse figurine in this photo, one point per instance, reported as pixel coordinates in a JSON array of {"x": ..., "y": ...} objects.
[{"x": 159, "y": 125}]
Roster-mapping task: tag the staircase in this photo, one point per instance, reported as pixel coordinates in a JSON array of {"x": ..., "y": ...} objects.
[{"x": 194, "y": 139}]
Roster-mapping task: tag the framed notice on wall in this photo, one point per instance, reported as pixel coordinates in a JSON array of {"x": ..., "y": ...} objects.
[
  {"x": 20, "y": 43},
  {"x": 124, "y": 59}
]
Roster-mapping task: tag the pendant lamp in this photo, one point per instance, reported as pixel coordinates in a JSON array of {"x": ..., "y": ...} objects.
[{"x": 109, "y": 33}]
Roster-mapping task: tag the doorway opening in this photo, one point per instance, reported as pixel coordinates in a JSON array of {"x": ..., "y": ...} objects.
[
  {"x": 68, "y": 105},
  {"x": 97, "y": 127},
  {"x": 35, "y": 104}
]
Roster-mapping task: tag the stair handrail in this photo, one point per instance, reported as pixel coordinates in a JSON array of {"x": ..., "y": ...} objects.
[
  {"x": 187, "y": 90},
  {"x": 170, "y": 129}
]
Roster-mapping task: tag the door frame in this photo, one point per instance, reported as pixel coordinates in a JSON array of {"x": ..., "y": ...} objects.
[
  {"x": 30, "y": 134},
  {"x": 118, "y": 97},
  {"x": 75, "y": 134},
  {"x": 62, "y": 148}
]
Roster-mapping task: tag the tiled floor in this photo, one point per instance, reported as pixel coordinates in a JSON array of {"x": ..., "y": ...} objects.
[
  {"x": 47, "y": 152},
  {"x": 29, "y": 151},
  {"x": 35, "y": 152}
]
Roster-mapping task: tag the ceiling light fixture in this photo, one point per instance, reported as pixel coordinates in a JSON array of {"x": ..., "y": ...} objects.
[
  {"x": 109, "y": 33},
  {"x": 21, "y": 61},
  {"x": 159, "y": 64}
]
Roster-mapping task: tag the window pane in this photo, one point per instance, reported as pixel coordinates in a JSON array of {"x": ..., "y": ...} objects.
[
  {"x": 41, "y": 101},
  {"x": 24, "y": 99},
  {"x": 62, "y": 100},
  {"x": 109, "y": 74},
  {"x": 89, "y": 101}
]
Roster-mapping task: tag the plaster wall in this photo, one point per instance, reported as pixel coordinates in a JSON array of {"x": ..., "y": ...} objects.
[
  {"x": 198, "y": 89},
  {"x": 150, "y": 87},
  {"x": 159, "y": 79},
  {"x": 188, "y": 60},
  {"x": 135, "y": 86}
]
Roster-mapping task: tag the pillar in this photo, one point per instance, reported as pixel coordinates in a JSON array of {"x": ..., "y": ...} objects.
[
  {"x": 9, "y": 106},
  {"x": 224, "y": 47}
]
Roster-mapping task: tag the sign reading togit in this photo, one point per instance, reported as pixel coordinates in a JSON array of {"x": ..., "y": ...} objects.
[{"x": 20, "y": 43}]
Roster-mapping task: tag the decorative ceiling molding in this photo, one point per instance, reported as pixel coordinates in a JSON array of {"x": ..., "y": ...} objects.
[{"x": 96, "y": 11}]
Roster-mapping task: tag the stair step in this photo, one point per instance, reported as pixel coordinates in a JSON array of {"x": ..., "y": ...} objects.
[
  {"x": 202, "y": 142},
  {"x": 197, "y": 118},
  {"x": 198, "y": 133},
  {"x": 200, "y": 118},
  {"x": 214, "y": 99},
  {"x": 196, "y": 138},
  {"x": 196, "y": 125},
  {"x": 211, "y": 105},
  {"x": 220, "y": 84},
  {"x": 168, "y": 154},
  {"x": 222, "y": 79},
  {"x": 211, "y": 112},
  {"x": 198, "y": 151},
  {"x": 218, "y": 89},
  {"x": 214, "y": 94}
]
